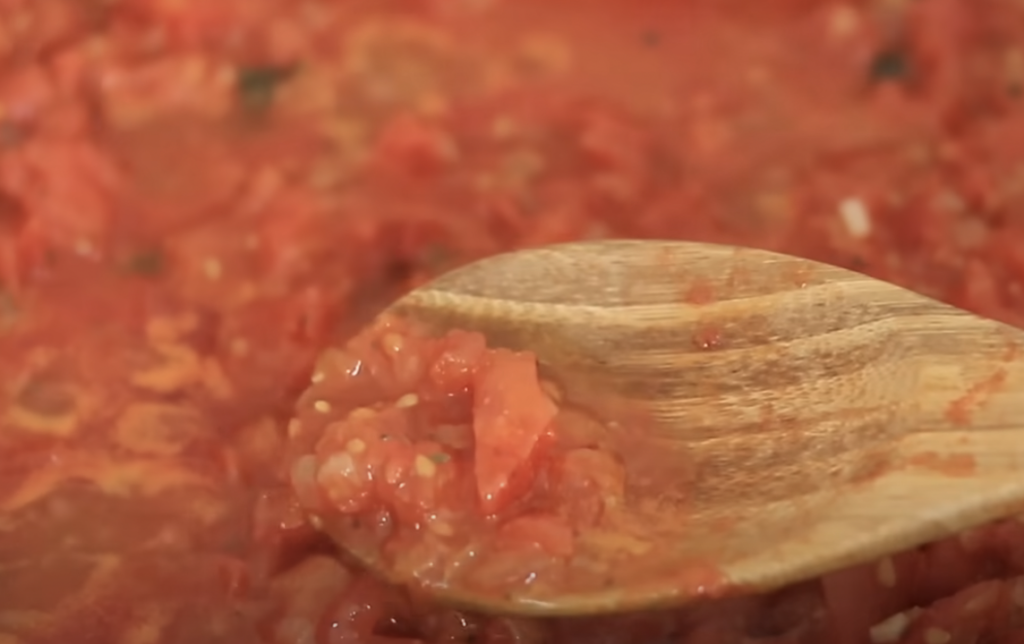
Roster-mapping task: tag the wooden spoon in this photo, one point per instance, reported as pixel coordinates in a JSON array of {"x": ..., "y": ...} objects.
[{"x": 821, "y": 418}]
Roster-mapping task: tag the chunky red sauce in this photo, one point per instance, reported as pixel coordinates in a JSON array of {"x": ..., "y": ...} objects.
[
  {"x": 454, "y": 467},
  {"x": 197, "y": 198}
]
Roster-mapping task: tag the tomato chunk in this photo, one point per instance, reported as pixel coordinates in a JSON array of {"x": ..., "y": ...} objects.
[{"x": 511, "y": 415}]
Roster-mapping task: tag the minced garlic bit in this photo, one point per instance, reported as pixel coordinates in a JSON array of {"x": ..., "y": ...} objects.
[
  {"x": 356, "y": 446},
  {"x": 886, "y": 573},
  {"x": 406, "y": 401},
  {"x": 856, "y": 217},
  {"x": 424, "y": 466},
  {"x": 892, "y": 629},
  {"x": 361, "y": 413},
  {"x": 441, "y": 528},
  {"x": 340, "y": 464},
  {"x": 322, "y": 406}
]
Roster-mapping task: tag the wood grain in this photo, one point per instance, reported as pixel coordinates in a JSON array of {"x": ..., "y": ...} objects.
[{"x": 831, "y": 417}]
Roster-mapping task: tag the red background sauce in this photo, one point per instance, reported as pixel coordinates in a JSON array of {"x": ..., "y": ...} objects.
[{"x": 196, "y": 197}]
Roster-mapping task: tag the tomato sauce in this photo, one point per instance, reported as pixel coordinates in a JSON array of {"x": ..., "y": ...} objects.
[
  {"x": 455, "y": 468},
  {"x": 199, "y": 198}
]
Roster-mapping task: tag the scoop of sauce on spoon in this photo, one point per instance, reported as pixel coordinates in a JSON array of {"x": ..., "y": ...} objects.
[{"x": 619, "y": 425}]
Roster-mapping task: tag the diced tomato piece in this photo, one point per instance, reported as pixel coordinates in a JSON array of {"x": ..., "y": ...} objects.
[{"x": 511, "y": 414}]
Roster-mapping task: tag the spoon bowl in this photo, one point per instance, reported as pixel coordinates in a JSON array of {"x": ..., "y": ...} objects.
[{"x": 817, "y": 417}]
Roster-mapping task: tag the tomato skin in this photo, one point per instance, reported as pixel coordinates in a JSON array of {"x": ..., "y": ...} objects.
[{"x": 511, "y": 418}]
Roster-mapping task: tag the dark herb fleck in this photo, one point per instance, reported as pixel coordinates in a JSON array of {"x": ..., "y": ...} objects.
[
  {"x": 256, "y": 86},
  {"x": 440, "y": 457},
  {"x": 890, "y": 64},
  {"x": 148, "y": 263}
]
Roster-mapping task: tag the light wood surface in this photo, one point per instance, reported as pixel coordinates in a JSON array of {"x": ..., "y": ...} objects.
[{"x": 828, "y": 417}]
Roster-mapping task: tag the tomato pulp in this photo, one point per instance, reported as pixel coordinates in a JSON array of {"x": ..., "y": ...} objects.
[
  {"x": 459, "y": 469},
  {"x": 197, "y": 199}
]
